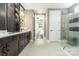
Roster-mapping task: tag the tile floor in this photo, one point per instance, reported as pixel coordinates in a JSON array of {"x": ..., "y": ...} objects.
[{"x": 46, "y": 49}]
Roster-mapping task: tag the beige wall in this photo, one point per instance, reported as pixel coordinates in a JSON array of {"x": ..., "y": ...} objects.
[{"x": 29, "y": 17}]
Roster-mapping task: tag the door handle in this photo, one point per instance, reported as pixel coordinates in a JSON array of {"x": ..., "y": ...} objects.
[{"x": 51, "y": 30}]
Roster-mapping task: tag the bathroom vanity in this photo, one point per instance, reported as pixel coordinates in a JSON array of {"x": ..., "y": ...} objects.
[
  {"x": 13, "y": 40},
  {"x": 12, "y": 44}
]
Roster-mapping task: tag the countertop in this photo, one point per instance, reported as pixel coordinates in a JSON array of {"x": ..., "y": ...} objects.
[{"x": 7, "y": 34}]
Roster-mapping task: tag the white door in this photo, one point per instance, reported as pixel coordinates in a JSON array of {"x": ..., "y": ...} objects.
[{"x": 54, "y": 25}]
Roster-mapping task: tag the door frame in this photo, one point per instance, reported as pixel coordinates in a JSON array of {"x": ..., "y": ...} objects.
[
  {"x": 50, "y": 9},
  {"x": 44, "y": 22}
]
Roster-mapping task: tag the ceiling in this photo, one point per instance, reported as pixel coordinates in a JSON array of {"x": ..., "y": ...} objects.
[{"x": 44, "y": 6}]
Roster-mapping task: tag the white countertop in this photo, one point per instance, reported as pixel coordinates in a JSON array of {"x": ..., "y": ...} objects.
[{"x": 2, "y": 35}]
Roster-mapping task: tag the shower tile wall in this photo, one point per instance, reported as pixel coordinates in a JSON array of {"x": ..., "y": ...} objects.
[{"x": 74, "y": 33}]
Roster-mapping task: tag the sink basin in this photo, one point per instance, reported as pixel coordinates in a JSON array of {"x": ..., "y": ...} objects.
[
  {"x": 4, "y": 33},
  {"x": 10, "y": 32}
]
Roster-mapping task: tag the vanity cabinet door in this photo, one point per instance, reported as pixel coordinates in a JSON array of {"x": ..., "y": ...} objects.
[
  {"x": 12, "y": 47},
  {"x": 29, "y": 36},
  {"x": 1, "y": 50},
  {"x": 25, "y": 39},
  {"x": 21, "y": 42},
  {"x": 3, "y": 47}
]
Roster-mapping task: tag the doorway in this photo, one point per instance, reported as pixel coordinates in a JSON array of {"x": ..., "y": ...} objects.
[{"x": 39, "y": 26}]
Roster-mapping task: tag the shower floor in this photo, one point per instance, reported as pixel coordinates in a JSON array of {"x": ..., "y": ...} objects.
[{"x": 72, "y": 50}]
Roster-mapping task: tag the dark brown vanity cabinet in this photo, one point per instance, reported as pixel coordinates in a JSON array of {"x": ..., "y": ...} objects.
[{"x": 13, "y": 45}]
